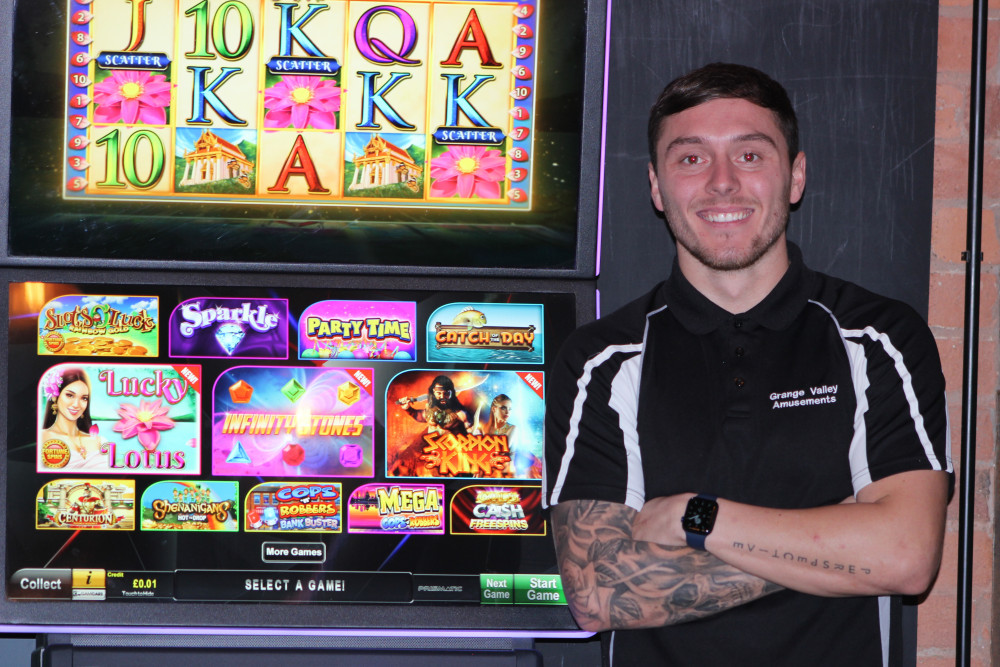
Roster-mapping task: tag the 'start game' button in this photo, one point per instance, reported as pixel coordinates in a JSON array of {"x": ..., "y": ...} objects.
[{"x": 538, "y": 589}]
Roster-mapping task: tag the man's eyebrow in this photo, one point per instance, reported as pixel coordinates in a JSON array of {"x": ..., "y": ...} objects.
[
  {"x": 682, "y": 141},
  {"x": 755, "y": 136},
  {"x": 739, "y": 139}
]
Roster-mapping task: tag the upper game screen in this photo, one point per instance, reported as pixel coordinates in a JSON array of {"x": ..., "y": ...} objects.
[{"x": 398, "y": 135}]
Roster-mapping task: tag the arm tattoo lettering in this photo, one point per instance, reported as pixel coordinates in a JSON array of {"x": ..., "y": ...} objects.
[
  {"x": 613, "y": 581},
  {"x": 814, "y": 561}
]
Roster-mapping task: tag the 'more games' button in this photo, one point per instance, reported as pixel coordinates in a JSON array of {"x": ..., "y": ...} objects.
[
  {"x": 293, "y": 552},
  {"x": 41, "y": 584}
]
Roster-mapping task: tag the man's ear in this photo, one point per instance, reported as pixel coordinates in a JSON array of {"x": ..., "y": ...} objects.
[
  {"x": 798, "y": 178},
  {"x": 654, "y": 189}
]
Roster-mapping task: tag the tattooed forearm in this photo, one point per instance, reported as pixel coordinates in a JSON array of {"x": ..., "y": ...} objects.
[
  {"x": 823, "y": 564},
  {"x": 613, "y": 581}
]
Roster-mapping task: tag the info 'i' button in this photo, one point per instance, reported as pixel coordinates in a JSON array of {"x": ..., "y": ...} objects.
[
  {"x": 496, "y": 588},
  {"x": 88, "y": 585}
]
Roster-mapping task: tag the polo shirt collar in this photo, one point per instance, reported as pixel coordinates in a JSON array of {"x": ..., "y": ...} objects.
[{"x": 777, "y": 310}]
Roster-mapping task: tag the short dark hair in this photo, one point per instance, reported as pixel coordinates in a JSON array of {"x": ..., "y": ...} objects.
[{"x": 724, "y": 81}]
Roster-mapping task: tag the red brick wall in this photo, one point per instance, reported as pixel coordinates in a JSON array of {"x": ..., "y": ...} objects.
[{"x": 937, "y": 624}]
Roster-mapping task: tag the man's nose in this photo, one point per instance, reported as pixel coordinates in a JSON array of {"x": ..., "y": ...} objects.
[{"x": 723, "y": 178}]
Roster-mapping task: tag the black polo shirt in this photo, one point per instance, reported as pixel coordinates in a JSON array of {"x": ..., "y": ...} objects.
[{"x": 819, "y": 390}]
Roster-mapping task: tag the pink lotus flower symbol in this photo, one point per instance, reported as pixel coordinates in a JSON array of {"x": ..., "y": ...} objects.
[
  {"x": 468, "y": 170},
  {"x": 131, "y": 96},
  {"x": 146, "y": 421},
  {"x": 302, "y": 101}
]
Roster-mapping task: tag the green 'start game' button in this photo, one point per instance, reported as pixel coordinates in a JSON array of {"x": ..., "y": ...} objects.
[
  {"x": 538, "y": 589},
  {"x": 496, "y": 588}
]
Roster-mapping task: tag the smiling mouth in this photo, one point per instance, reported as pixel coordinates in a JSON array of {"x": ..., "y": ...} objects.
[{"x": 725, "y": 216}]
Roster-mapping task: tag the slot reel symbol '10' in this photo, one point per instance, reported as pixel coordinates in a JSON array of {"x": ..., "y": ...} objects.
[{"x": 129, "y": 159}]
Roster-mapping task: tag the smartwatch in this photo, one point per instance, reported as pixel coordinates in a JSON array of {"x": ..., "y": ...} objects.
[{"x": 699, "y": 519}]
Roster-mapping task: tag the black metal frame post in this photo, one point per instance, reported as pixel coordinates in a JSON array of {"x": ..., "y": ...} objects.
[{"x": 970, "y": 351}]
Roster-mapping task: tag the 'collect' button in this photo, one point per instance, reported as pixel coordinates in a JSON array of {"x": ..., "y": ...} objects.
[{"x": 41, "y": 583}]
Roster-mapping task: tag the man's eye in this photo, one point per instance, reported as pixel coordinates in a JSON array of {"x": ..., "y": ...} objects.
[
  {"x": 690, "y": 159},
  {"x": 750, "y": 157}
]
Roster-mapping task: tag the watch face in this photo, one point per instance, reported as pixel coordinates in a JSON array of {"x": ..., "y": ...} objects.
[{"x": 700, "y": 515}]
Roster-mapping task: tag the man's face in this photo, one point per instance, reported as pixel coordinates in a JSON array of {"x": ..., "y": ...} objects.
[
  {"x": 724, "y": 182},
  {"x": 442, "y": 396}
]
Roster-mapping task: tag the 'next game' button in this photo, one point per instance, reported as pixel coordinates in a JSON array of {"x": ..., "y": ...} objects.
[{"x": 496, "y": 588}]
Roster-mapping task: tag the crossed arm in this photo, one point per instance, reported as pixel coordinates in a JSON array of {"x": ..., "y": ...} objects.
[
  {"x": 615, "y": 581},
  {"x": 624, "y": 569},
  {"x": 887, "y": 543}
]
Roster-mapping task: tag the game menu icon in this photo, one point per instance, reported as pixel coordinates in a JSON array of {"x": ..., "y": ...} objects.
[
  {"x": 271, "y": 421},
  {"x": 126, "y": 419}
]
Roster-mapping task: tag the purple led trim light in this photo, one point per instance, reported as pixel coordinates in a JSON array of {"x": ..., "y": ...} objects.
[
  {"x": 285, "y": 632},
  {"x": 604, "y": 138}
]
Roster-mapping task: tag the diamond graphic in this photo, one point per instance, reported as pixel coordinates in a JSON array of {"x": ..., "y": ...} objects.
[
  {"x": 241, "y": 392},
  {"x": 229, "y": 336},
  {"x": 348, "y": 393},
  {"x": 293, "y": 390},
  {"x": 238, "y": 455},
  {"x": 293, "y": 454},
  {"x": 351, "y": 455}
]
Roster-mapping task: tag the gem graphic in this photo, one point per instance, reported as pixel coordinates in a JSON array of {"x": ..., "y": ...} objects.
[
  {"x": 241, "y": 392},
  {"x": 351, "y": 455},
  {"x": 229, "y": 336},
  {"x": 293, "y": 390},
  {"x": 238, "y": 455},
  {"x": 348, "y": 393},
  {"x": 293, "y": 454}
]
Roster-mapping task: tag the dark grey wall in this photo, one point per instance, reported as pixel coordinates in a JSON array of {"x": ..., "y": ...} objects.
[{"x": 861, "y": 74}]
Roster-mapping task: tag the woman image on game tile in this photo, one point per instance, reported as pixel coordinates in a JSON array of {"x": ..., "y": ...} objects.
[
  {"x": 497, "y": 424},
  {"x": 523, "y": 464},
  {"x": 67, "y": 413}
]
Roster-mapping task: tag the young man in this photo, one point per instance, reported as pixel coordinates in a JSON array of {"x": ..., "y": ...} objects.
[{"x": 807, "y": 414}]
